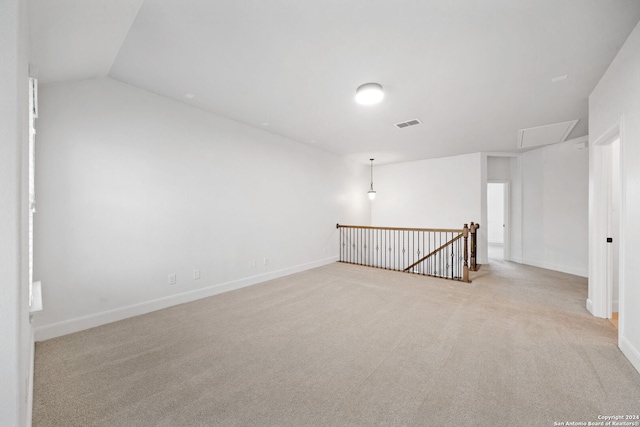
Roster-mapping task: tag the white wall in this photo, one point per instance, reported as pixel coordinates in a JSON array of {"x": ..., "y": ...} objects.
[
  {"x": 549, "y": 201},
  {"x": 498, "y": 168},
  {"x": 615, "y": 102},
  {"x": 434, "y": 193},
  {"x": 15, "y": 331},
  {"x": 548, "y": 191},
  {"x": 555, "y": 181},
  {"x": 133, "y": 187}
]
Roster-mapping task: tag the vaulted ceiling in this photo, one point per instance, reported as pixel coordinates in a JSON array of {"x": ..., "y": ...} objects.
[{"x": 473, "y": 72}]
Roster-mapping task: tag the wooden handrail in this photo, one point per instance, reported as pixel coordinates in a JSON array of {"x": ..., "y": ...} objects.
[{"x": 440, "y": 230}]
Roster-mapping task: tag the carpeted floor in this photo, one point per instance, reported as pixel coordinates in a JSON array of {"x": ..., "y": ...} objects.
[{"x": 343, "y": 345}]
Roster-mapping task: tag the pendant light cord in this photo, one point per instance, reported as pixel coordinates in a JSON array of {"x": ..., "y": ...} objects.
[{"x": 371, "y": 174}]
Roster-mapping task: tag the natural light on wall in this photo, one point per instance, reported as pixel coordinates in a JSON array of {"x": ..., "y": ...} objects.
[{"x": 35, "y": 296}]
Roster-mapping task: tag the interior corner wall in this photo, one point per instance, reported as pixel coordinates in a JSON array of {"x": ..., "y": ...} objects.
[
  {"x": 616, "y": 102},
  {"x": 433, "y": 193},
  {"x": 133, "y": 187},
  {"x": 516, "y": 209},
  {"x": 15, "y": 329},
  {"x": 555, "y": 199}
]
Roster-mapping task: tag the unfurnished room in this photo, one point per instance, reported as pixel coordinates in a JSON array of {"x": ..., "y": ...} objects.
[{"x": 320, "y": 213}]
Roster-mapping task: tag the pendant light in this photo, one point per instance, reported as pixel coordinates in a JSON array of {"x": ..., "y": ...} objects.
[{"x": 371, "y": 192}]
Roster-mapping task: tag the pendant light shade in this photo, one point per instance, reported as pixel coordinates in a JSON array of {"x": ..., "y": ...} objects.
[
  {"x": 371, "y": 193},
  {"x": 369, "y": 93}
]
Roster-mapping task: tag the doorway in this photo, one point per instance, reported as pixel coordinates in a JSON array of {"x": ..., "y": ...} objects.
[
  {"x": 607, "y": 222},
  {"x": 613, "y": 197},
  {"x": 497, "y": 219}
]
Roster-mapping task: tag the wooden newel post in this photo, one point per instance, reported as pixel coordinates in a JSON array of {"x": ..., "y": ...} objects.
[
  {"x": 465, "y": 268},
  {"x": 472, "y": 230}
]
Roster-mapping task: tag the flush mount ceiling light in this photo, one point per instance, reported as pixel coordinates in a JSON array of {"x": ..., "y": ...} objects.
[
  {"x": 371, "y": 192},
  {"x": 369, "y": 94}
]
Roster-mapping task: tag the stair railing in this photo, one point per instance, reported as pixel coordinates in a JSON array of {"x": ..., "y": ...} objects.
[
  {"x": 474, "y": 266},
  {"x": 428, "y": 251}
]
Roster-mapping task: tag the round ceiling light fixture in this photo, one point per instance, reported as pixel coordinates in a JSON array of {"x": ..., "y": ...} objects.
[{"x": 369, "y": 94}]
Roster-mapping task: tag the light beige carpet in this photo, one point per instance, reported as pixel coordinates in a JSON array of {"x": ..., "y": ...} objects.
[{"x": 343, "y": 345}]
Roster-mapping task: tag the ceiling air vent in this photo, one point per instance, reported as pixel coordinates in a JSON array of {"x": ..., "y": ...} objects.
[
  {"x": 407, "y": 124},
  {"x": 545, "y": 135}
]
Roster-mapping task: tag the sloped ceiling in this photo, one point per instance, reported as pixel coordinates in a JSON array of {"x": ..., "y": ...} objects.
[
  {"x": 473, "y": 72},
  {"x": 75, "y": 40}
]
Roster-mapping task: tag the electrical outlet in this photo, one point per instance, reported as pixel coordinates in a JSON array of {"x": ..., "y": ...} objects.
[
  {"x": 266, "y": 261},
  {"x": 196, "y": 274},
  {"x": 172, "y": 279},
  {"x": 252, "y": 263}
]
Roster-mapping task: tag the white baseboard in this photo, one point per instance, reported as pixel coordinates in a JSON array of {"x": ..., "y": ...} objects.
[
  {"x": 590, "y": 306},
  {"x": 556, "y": 267},
  {"x": 86, "y": 322},
  {"x": 630, "y": 352},
  {"x": 32, "y": 360}
]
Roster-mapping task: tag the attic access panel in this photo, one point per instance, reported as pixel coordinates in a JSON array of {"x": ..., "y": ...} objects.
[{"x": 545, "y": 135}]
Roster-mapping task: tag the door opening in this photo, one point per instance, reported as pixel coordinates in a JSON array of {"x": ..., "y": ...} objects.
[
  {"x": 613, "y": 198},
  {"x": 497, "y": 220},
  {"x": 607, "y": 220}
]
